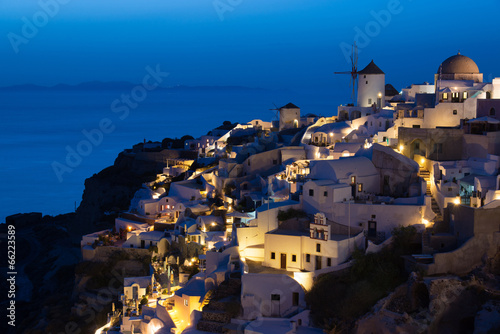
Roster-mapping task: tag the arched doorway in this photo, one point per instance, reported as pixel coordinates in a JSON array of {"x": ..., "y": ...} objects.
[
  {"x": 417, "y": 147},
  {"x": 355, "y": 114}
]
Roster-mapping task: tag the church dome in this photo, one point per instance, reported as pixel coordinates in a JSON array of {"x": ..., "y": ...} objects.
[{"x": 458, "y": 64}]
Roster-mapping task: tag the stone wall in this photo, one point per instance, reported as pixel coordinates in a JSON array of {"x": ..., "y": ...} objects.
[
  {"x": 465, "y": 258},
  {"x": 104, "y": 253}
]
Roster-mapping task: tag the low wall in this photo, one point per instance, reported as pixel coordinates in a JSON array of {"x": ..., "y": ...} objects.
[{"x": 465, "y": 258}]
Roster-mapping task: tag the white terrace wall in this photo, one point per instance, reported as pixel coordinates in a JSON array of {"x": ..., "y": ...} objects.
[
  {"x": 387, "y": 216},
  {"x": 256, "y": 291}
]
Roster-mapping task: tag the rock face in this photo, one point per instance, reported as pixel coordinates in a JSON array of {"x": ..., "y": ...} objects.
[
  {"x": 48, "y": 249},
  {"x": 111, "y": 191},
  {"x": 438, "y": 305}
]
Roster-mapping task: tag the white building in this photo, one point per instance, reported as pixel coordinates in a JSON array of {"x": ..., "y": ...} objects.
[{"x": 317, "y": 248}]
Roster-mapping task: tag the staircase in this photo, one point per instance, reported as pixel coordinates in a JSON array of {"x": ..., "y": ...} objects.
[
  {"x": 426, "y": 175},
  {"x": 427, "y": 234},
  {"x": 223, "y": 305},
  {"x": 435, "y": 209}
]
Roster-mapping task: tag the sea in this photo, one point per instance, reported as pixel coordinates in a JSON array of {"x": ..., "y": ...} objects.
[{"x": 41, "y": 126}]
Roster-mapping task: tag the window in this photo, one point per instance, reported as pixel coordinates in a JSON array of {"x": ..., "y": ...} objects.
[
  {"x": 249, "y": 162},
  {"x": 364, "y": 76},
  {"x": 416, "y": 126},
  {"x": 492, "y": 112},
  {"x": 329, "y": 261},
  {"x": 353, "y": 179},
  {"x": 275, "y": 297},
  {"x": 488, "y": 95},
  {"x": 464, "y": 95},
  {"x": 369, "y": 101},
  {"x": 445, "y": 96},
  {"x": 325, "y": 194},
  {"x": 311, "y": 192},
  {"x": 455, "y": 112},
  {"x": 294, "y": 258},
  {"x": 273, "y": 255},
  {"x": 318, "y": 248},
  {"x": 360, "y": 187},
  {"x": 186, "y": 303},
  {"x": 295, "y": 299},
  {"x": 308, "y": 257},
  {"x": 438, "y": 148},
  {"x": 367, "y": 82},
  {"x": 275, "y": 162}
]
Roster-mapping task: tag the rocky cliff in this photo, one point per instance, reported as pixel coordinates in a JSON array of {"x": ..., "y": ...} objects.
[
  {"x": 48, "y": 248},
  {"x": 111, "y": 190}
]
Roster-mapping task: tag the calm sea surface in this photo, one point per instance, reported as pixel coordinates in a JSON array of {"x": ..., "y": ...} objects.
[{"x": 38, "y": 126}]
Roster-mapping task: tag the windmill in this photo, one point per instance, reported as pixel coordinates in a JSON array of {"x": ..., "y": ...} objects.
[
  {"x": 276, "y": 114},
  {"x": 353, "y": 72}
]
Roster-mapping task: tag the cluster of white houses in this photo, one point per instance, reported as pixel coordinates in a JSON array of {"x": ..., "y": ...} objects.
[{"x": 282, "y": 202}]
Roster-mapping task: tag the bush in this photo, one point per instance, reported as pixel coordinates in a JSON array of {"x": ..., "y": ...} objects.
[
  {"x": 403, "y": 238},
  {"x": 291, "y": 213},
  {"x": 337, "y": 301}
]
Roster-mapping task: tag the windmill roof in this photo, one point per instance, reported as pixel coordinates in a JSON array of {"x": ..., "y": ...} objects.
[
  {"x": 371, "y": 68},
  {"x": 290, "y": 106}
]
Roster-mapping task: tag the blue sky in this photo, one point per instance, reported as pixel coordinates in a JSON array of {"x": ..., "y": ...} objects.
[{"x": 269, "y": 44}]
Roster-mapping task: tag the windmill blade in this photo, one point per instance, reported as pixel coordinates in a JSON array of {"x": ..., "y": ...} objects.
[{"x": 276, "y": 114}]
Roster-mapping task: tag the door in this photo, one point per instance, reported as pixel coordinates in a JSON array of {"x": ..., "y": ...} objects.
[
  {"x": 318, "y": 263},
  {"x": 283, "y": 261},
  {"x": 295, "y": 299},
  {"x": 372, "y": 228}
]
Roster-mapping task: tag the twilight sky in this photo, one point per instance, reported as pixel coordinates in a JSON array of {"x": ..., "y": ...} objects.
[{"x": 257, "y": 43}]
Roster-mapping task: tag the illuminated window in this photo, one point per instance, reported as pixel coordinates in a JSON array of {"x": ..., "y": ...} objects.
[
  {"x": 445, "y": 96},
  {"x": 273, "y": 255},
  {"x": 465, "y": 95},
  {"x": 186, "y": 303},
  {"x": 353, "y": 179},
  {"x": 360, "y": 187}
]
